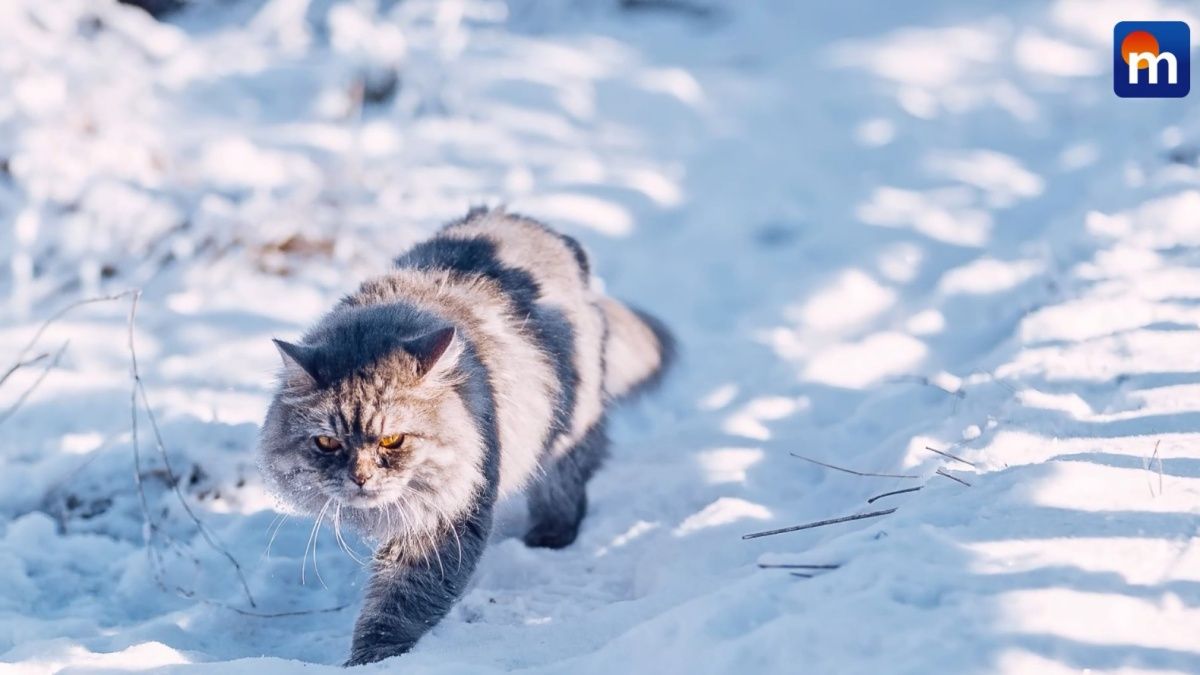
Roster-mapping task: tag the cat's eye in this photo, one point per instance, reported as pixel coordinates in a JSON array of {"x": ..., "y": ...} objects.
[
  {"x": 391, "y": 442},
  {"x": 327, "y": 443}
]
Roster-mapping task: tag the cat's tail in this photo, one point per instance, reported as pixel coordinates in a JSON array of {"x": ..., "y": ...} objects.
[{"x": 638, "y": 350}]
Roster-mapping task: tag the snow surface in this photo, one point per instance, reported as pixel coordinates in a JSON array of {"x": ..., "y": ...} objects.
[{"x": 876, "y": 228}]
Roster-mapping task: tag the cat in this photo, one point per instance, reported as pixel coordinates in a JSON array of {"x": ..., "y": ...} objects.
[{"x": 482, "y": 365}]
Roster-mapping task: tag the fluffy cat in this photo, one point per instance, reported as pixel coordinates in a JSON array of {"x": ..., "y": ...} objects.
[{"x": 480, "y": 366}]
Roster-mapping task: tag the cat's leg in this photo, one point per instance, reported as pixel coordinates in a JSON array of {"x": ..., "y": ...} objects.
[
  {"x": 558, "y": 500},
  {"x": 414, "y": 584}
]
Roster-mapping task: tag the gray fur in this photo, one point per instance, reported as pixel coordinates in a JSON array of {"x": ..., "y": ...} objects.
[{"x": 485, "y": 348}]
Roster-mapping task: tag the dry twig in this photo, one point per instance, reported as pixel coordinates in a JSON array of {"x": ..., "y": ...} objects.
[
  {"x": 37, "y": 335},
  {"x": 819, "y": 523},
  {"x": 191, "y": 595},
  {"x": 796, "y": 566},
  {"x": 851, "y": 471},
  {"x": 956, "y": 479},
  {"x": 1160, "y": 469},
  {"x": 21, "y": 364},
  {"x": 150, "y": 528},
  {"x": 950, "y": 456},
  {"x": 23, "y": 360},
  {"x": 12, "y": 409},
  {"x": 151, "y": 531},
  {"x": 894, "y": 492},
  {"x": 139, "y": 391},
  {"x": 1147, "y": 464}
]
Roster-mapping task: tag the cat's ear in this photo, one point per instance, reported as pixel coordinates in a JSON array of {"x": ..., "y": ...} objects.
[
  {"x": 299, "y": 357},
  {"x": 430, "y": 347}
]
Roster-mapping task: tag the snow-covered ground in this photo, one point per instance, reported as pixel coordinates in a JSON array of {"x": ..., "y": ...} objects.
[{"x": 875, "y": 227}]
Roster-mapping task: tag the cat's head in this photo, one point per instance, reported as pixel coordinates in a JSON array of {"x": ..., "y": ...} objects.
[{"x": 369, "y": 416}]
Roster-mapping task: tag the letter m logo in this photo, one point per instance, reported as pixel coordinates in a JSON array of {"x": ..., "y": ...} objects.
[{"x": 1152, "y": 59}]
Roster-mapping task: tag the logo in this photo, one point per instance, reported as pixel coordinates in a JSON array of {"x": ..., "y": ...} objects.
[{"x": 1152, "y": 59}]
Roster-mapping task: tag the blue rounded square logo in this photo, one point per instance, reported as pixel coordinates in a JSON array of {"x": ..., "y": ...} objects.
[{"x": 1152, "y": 59}]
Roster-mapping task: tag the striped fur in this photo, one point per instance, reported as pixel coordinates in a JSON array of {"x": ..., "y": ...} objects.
[{"x": 489, "y": 350}]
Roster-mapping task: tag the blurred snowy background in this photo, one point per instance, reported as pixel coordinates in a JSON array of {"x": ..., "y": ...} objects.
[{"x": 876, "y": 227}]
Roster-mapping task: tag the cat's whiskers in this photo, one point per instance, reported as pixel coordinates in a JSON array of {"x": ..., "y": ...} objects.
[
  {"x": 278, "y": 523},
  {"x": 316, "y": 537},
  {"x": 412, "y": 531},
  {"x": 337, "y": 533},
  {"x": 274, "y": 521},
  {"x": 453, "y": 530},
  {"x": 312, "y": 542},
  {"x": 429, "y": 534},
  {"x": 387, "y": 511},
  {"x": 437, "y": 553},
  {"x": 431, "y": 504},
  {"x": 337, "y": 527}
]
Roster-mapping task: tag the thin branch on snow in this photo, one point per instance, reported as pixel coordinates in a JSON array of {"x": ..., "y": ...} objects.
[
  {"x": 894, "y": 492},
  {"x": 1147, "y": 464},
  {"x": 12, "y": 409},
  {"x": 950, "y": 456},
  {"x": 191, "y": 595},
  {"x": 1159, "y": 458},
  {"x": 150, "y": 529},
  {"x": 54, "y": 318},
  {"x": 23, "y": 360},
  {"x": 139, "y": 391},
  {"x": 22, "y": 364},
  {"x": 953, "y": 478},
  {"x": 851, "y": 471},
  {"x": 795, "y": 566},
  {"x": 819, "y": 523}
]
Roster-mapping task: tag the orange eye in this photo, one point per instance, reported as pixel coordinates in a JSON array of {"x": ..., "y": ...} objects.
[
  {"x": 327, "y": 443},
  {"x": 391, "y": 442}
]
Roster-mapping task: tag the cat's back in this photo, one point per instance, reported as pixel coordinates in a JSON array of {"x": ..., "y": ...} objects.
[
  {"x": 560, "y": 273},
  {"x": 547, "y": 275},
  {"x": 523, "y": 255},
  {"x": 521, "y": 291}
]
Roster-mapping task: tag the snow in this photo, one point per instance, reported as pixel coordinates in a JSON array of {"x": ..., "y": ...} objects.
[{"x": 875, "y": 229}]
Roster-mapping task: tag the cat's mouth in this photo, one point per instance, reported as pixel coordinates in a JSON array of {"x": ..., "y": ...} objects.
[
  {"x": 376, "y": 493},
  {"x": 360, "y": 498}
]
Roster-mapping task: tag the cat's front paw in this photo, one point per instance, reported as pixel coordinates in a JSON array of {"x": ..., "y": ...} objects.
[
  {"x": 552, "y": 535},
  {"x": 372, "y": 645},
  {"x": 361, "y": 657}
]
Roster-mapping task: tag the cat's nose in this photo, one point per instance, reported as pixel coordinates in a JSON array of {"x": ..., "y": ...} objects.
[{"x": 359, "y": 476}]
